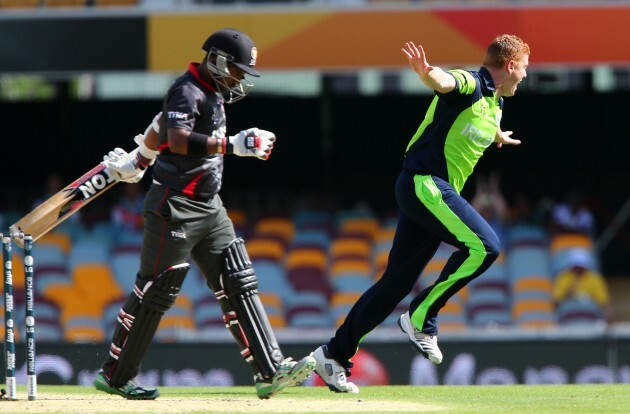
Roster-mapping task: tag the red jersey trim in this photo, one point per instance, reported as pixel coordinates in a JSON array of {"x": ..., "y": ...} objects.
[
  {"x": 192, "y": 68},
  {"x": 189, "y": 190}
]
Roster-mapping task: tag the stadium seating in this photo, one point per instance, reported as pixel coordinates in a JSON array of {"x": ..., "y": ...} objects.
[
  {"x": 452, "y": 316},
  {"x": 312, "y": 219},
  {"x": 128, "y": 242},
  {"x": 307, "y": 309},
  {"x": 340, "y": 305},
  {"x": 494, "y": 278},
  {"x": 265, "y": 248},
  {"x": 350, "y": 248},
  {"x": 306, "y": 270},
  {"x": 274, "y": 308},
  {"x": 280, "y": 228},
  {"x": 115, "y": 3},
  {"x": 208, "y": 313},
  {"x": 366, "y": 228},
  {"x": 310, "y": 274},
  {"x": 19, "y": 4},
  {"x": 563, "y": 244},
  {"x": 64, "y": 3},
  {"x": 178, "y": 318},
  {"x": 524, "y": 261},
  {"x": 110, "y": 315},
  {"x": 240, "y": 221},
  {"x": 310, "y": 320},
  {"x": 84, "y": 329},
  {"x": 316, "y": 238},
  {"x": 195, "y": 286},
  {"x": 430, "y": 273},
  {"x": 533, "y": 313},
  {"x": 50, "y": 255},
  {"x": 488, "y": 308},
  {"x": 579, "y": 312},
  {"x": 95, "y": 281},
  {"x": 526, "y": 235},
  {"x": 124, "y": 267},
  {"x": 89, "y": 250},
  {"x": 402, "y": 307},
  {"x": 48, "y": 331},
  {"x": 50, "y": 275}
]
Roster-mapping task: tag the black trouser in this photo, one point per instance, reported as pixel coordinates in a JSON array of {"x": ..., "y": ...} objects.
[
  {"x": 431, "y": 211},
  {"x": 177, "y": 227}
]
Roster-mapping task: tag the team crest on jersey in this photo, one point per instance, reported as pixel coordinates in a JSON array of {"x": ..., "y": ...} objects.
[
  {"x": 483, "y": 108},
  {"x": 254, "y": 55}
]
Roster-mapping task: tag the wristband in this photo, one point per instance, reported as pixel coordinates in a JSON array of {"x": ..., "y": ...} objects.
[
  {"x": 197, "y": 144},
  {"x": 221, "y": 145},
  {"x": 140, "y": 162}
]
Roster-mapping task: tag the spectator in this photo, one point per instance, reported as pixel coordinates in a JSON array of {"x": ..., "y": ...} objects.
[
  {"x": 490, "y": 203},
  {"x": 582, "y": 282},
  {"x": 573, "y": 216},
  {"x": 525, "y": 212},
  {"x": 127, "y": 212}
]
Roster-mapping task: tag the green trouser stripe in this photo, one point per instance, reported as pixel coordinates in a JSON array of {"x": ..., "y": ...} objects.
[{"x": 429, "y": 194}]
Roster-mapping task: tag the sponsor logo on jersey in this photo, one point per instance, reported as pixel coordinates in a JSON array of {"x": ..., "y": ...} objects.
[
  {"x": 477, "y": 135},
  {"x": 178, "y": 234},
  {"x": 178, "y": 115}
]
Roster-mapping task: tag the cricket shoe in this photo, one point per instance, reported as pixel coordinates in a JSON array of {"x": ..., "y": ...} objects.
[
  {"x": 424, "y": 343},
  {"x": 288, "y": 374},
  {"x": 331, "y": 372},
  {"x": 130, "y": 390}
]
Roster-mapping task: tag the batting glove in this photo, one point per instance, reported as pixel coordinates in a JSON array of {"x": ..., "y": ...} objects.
[
  {"x": 252, "y": 142},
  {"x": 125, "y": 166}
]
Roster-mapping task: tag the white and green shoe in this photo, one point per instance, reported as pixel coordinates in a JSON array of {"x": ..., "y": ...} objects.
[
  {"x": 289, "y": 373},
  {"x": 130, "y": 390}
]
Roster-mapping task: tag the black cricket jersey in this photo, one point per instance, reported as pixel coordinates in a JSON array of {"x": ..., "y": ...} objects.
[{"x": 196, "y": 106}]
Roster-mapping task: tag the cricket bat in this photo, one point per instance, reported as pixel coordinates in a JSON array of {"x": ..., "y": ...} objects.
[{"x": 66, "y": 202}]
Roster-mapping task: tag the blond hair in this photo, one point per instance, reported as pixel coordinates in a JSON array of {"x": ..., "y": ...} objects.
[{"x": 505, "y": 48}]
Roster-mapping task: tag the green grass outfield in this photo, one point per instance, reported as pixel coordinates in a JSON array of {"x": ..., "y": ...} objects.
[{"x": 515, "y": 399}]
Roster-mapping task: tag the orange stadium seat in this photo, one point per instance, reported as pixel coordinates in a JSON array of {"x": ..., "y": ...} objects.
[
  {"x": 112, "y": 3},
  {"x": 83, "y": 329},
  {"x": 346, "y": 247},
  {"x": 179, "y": 317},
  {"x": 365, "y": 227},
  {"x": 280, "y": 228},
  {"x": 65, "y": 3},
  {"x": 340, "y": 305},
  {"x": 19, "y": 4},
  {"x": 342, "y": 267},
  {"x": 306, "y": 257},
  {"x": 452, "y": 316},
  {"x": 570, "y": 241},
  {"x": 265, "y": 249},
  {"x": 96, "y": 281},
  {"x": 62, "y": 240}
]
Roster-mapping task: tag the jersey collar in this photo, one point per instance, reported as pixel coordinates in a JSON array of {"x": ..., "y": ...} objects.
[
  {"x": 486, "y": 79},
  {"x": 192, "y": 68}
]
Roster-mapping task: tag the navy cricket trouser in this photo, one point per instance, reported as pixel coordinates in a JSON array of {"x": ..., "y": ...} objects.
[{"x": 431, "y": 211}]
